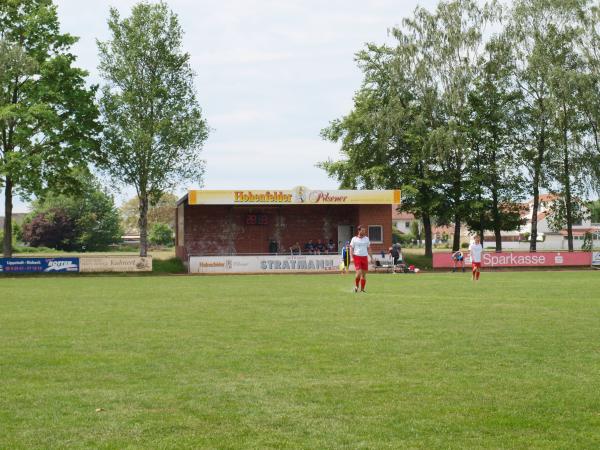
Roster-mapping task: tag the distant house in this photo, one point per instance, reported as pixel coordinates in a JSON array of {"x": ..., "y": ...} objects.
[
  {"x": 131, "y": 239},
  {"x": 518, "y": 239},
  {"x": 551, "y": 239},
  {"x": 402, "y": 221},
  {"x": 547, "y": 238}
]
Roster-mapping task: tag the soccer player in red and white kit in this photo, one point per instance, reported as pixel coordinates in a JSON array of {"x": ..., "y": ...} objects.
[
  {"x": 360, "y": 254},
  {"x": 476, "y": 250}
]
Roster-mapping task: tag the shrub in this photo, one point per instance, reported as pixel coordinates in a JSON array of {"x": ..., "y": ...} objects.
[
  {"x": 587, "y": 242},
  {"x": 54, "y": 228},
  {"x": 160, "y": 234},
  {"x": 88, "y": 221}
]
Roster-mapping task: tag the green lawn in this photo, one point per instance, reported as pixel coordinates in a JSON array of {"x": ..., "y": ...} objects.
[
  {"x": 421, "y": 361},
  {"x": 162, "y": 254}
]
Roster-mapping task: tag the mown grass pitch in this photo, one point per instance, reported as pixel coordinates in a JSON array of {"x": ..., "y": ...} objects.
[{"x": 421, "y": 361}]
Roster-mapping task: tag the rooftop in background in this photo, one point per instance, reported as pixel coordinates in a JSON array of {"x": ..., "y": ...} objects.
[{"x": 401, "y": 215}]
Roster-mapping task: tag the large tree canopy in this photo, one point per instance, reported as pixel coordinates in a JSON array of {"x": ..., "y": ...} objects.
[
  {"x": 153, "y": 126},
  {"x": 468, "y": 122},
  {"x": 48, "y": 119}
]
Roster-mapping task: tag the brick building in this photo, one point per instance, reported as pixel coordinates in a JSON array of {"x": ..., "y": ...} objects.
[{"x": 261, "y": 222}]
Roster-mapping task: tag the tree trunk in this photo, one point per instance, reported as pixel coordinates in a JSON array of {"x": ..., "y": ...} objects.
[
  {"x": 8, "y": 206},
  {"x": 495, "y": 206},
  {"x": 567, "y": 174},
  {"x": 143, "y": 224},
  {"x": 456, "y": 238},
  {"x": 497, "y": 225},
  {"x": 537, "y": 173},
  {"x": 428, "y": 235},
  {"x": 481, "y": 230},
  {"x": 536, "y": 201}
]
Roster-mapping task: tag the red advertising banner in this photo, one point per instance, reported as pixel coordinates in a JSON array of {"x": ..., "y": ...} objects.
[{"x": 520, "y": 259}]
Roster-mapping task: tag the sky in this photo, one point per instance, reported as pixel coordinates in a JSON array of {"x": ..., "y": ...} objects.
[{"x": 270, "y": 75}]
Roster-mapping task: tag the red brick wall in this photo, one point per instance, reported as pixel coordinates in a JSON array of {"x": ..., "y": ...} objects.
[
  {"x": 377, "y": 215},
  {"x": 223, "y": 229}
]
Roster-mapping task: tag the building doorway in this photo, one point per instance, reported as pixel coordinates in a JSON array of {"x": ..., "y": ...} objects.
[{"x": 345, "y": 233}]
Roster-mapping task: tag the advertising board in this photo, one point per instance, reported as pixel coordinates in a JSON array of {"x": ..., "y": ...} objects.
[
  {"x": 39, "y": 265},
  {"x": 125, "y": 263},
  {"x": 520, "y": 259},
  {"x": 264, "y": 264},
  {"x": 300, "y": 195}
]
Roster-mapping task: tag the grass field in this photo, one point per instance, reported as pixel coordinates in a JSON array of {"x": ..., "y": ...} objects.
[
  {"x": 421, "y": 361},
  {"x": 156, "y": 254}
]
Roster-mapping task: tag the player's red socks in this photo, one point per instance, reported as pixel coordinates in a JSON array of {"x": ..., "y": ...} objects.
[
  {"x": 477, "y": 275},
  {"x": 363, "y": 282},
  {"x": 356, "y": 280}
]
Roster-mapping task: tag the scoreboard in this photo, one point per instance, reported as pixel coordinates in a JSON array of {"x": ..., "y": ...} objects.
[{"x": 257, "y": 219}]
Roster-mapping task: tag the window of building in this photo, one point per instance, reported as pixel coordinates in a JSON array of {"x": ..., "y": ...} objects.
[
  {"x": 376, "y": 234},
  {"x": 407, "y": 224}
]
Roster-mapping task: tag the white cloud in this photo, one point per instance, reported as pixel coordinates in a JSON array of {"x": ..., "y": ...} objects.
[
  {"x": 241, "y": 116},
  {"x": 281, "y": 163},
  {"x": 239, "y": 56}
]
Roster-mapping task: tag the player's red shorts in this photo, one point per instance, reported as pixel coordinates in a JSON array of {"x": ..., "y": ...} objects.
[
  {"x": 361, "y": 263},
  {"x": 476, "y": 265}
]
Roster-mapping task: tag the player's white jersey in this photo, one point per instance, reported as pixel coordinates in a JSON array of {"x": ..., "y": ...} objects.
[
  {"x": 360, "y": 246},
  {"x": 476, "y": 251}
]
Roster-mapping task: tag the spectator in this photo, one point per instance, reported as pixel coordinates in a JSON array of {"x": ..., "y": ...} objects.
[
  {"x": 331, "y": 247},
  {"x": 273, "y": 247},
  {"x": 319, "y": 247},
  {"x": 309, "y": 247},
  {"x": 295, "y": 249},
  {"x": 395, "y": 254}
]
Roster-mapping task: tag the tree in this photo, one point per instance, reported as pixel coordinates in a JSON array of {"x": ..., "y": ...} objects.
[
  {"x": 496, "y": 183},
  {"x": 453, "y": 37},
  {"x": 408, "y": 124},
  {"x": 542, "y": 33},
  {"x": 526, "y": 30},
  {"x": 87, "y": 221},
  {"x": 153, "y": 127},
  {"x": 588, "y": 242},
  {"x": 594, "y": 208},
  {"x": 569, "y": 160},
  {"x": 48, "y": 120},
  {"x": 17, "y": 235},
  {"x": 161, "y": 234},
  {"x": 162, "y": 212},
  {"x": 558, "y": 212},
  {"x": 588, "y": 47},
  {"x": 415, "y": 230},
  {"x": 385, "y": 138}
]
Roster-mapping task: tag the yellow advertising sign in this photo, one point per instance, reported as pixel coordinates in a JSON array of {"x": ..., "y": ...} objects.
[{"x": 298, "y": 196}]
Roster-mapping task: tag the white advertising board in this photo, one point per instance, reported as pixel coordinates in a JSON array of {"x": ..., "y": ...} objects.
[
  {"x": 115, "y": 264},
  {"x": 596, "y": 259},
  {"x": 264, "y": 264}
]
